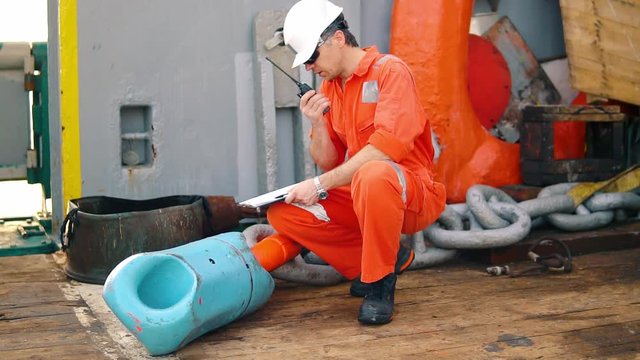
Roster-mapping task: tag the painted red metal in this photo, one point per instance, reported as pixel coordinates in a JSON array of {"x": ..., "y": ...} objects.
[
  {"x": 489, "y": 81},
  {"x": 432, "y": 37},
  {"x": 530, "y": 85},
  {"x": 570, "y": 136}
]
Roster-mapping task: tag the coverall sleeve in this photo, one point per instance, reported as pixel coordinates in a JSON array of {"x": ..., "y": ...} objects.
[
  {"x": 335, "y": 140},
  {"x": 399, "y": 118}
]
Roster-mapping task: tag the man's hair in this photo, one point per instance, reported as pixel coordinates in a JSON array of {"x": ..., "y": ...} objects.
[{"x": 340, "y": 24}]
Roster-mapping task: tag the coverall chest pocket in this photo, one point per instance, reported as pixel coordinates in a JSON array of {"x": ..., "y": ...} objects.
[
  {"x": 365, "y": 129},
  {"x": 367, "y": 109},
  {"x": 365, "y": 120}
]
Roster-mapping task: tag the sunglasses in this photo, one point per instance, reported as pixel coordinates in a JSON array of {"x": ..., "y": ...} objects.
[{"x": 315, "y": 54}]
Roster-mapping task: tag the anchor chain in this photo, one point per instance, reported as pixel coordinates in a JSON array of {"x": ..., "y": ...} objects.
[
  {"x": 297, "y": 269},
  {"x": 311, "y": 269},
  {"x": 426, "y": 254},
  {"x": 480, "y": 223},
  {"x": 489, "y": 218}
]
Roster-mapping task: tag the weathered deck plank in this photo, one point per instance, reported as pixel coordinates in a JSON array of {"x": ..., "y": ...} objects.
[
  {"x": 454, "y": 311},
  {"x": 36, "y": 320}
]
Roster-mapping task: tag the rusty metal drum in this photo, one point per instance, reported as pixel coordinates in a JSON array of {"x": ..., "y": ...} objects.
[{"x": 99, "y": 232}]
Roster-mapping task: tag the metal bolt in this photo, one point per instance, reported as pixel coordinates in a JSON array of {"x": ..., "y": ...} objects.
[{"x": 498, "y": 270}]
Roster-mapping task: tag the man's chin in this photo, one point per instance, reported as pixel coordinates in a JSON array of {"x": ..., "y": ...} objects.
[{"x": 324, "y": 76}]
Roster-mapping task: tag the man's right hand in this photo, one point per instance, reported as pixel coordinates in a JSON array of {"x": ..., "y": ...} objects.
[
  {"x": 312, "y": 105},
  {"x": 304, "y": 193}
]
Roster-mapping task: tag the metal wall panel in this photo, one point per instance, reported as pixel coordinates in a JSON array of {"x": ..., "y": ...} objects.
[
  {"x": 190, "y": 63},
  {"x": 538, "y": 21}
]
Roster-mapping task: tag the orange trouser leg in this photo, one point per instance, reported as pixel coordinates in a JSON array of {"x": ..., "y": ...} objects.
[
  {"x": 377, "y": 201},
  {"x": 385, "y": 209},
  {"x": 362, "y": 235},
  {"x": 337, "y": 241},
  {"x": 274, "y": 251}
]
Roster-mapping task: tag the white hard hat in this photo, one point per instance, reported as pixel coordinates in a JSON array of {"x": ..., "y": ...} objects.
[{"x": 304, "y": 23}]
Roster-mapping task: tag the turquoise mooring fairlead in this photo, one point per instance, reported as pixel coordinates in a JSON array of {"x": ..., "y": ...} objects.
[{"x": 168, "y": 298}]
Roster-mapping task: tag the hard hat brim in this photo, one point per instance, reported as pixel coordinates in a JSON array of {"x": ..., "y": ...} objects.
[{"x": 302, "y": 56}]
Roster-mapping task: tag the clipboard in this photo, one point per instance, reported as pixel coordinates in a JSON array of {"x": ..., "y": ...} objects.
[{"x": 268, "y": 198}]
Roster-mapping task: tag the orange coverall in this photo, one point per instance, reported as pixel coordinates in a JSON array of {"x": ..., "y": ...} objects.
[{"x": 357, "y": 228}]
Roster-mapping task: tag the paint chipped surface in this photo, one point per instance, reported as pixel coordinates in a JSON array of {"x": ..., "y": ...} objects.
[
  {"x": 508, "y": 340},
  {"x": 515, "y": 340},
  {"x": 126, "y": 342}
]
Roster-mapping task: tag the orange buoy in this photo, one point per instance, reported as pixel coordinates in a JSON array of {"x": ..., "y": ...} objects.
[{"x": 432, "y": 37}]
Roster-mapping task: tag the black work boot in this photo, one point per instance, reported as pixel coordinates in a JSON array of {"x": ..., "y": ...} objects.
[
  {"x": 404, "y": 259},
  {"x": 377, "y": 306}
]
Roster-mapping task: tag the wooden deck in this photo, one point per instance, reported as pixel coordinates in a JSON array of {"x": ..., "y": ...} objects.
[{"x": 454, "y": 311}]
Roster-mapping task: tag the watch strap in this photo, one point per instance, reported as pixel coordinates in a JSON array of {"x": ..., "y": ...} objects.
[{"x": 320, "y": 190}]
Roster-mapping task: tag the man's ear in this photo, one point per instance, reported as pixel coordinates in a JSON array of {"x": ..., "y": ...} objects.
[{"x": 339, "y": 38}]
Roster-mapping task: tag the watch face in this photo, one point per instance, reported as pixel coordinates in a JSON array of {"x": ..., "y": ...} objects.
[{"x": 322, "y": 195}]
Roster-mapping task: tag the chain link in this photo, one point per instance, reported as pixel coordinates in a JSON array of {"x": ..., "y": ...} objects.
[
  {"x": 489, "y": 218},
  {"x": 518, "y": 226},
  {"x": 489, "y": 207},
  {"x": 426, "y": 254},
  {"x": 296, "y": 270}
]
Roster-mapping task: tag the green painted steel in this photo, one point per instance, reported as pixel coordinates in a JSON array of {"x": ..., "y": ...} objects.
[
  {"x": 42, "y": 172},
  {"x": 24, "y": 236}
]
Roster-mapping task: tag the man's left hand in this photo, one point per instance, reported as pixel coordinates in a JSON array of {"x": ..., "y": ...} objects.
[{"x": 303, "y": 193}]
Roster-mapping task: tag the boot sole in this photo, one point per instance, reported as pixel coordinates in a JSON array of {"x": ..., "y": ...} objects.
[{"x": 375, "y": 321}]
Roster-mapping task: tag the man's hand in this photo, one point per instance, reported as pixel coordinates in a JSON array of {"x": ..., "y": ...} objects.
[
  {"x": 303, "y": 193},
  {"x": 321, "y": 148},
  {"x": 312, "y": 105}
]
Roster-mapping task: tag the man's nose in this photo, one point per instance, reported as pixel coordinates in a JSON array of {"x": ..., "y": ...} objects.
[{"x": 308, "y": 67}]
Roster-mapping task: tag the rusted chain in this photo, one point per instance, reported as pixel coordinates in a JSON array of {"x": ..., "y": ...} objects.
[
  {"x": 478, "y": 223},
  {"x": 518, "y": 228},
  {"x": 296, "y": 270},
  {"x": 490, "y": 218}
]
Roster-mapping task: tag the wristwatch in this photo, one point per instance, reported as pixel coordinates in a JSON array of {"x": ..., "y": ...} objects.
[{"x": 320, "y": 191}]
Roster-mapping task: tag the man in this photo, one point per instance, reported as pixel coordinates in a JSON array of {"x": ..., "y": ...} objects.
[{"x": 371, "y": 138}]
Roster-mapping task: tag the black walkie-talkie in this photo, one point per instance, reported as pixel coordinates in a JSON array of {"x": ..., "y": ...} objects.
[{"x": 304, "y": 88}]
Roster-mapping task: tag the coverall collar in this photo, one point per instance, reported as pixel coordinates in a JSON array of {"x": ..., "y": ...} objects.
[
  {"x": 368, "y": 59},
  {"x": 364, "y": 64}
]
